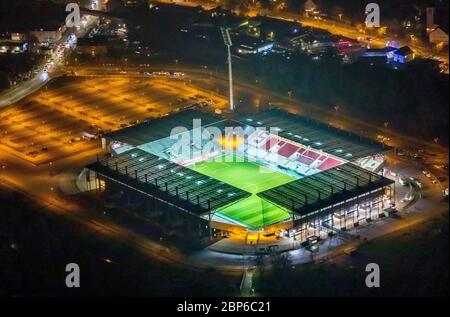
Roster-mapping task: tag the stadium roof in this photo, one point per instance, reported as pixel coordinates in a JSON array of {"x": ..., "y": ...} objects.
[
  {"x": 344, "y": 144},
  {"x": 159, "y": 128},
  {"x": 196, "y": 193},
  {"x": 325, "y": 189},
  {"x": 317, "y": 135},
  {"x": 182, "y": 187}
]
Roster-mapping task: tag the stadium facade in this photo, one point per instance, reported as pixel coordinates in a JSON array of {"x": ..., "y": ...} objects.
[{"x": 272, "y": 171}]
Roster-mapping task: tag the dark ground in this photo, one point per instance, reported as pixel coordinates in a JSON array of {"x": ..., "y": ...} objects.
[
  {"x": 412, "y": 263},
  {"x": 35, "y": 248}
]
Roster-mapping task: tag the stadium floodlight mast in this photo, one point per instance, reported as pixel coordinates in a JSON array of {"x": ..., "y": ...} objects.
[{"x": 227, "y": 40}]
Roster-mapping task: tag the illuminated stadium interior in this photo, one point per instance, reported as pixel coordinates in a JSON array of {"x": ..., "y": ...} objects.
[
  {"x": 251, "y": 159},
  {"x": 231, "y": 170}
]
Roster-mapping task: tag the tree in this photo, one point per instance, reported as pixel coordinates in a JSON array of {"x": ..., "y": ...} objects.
[{"x": 281, "y": 260}]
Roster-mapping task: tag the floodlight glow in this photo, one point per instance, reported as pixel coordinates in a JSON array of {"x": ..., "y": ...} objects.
[{"x": 231, "y": 143}]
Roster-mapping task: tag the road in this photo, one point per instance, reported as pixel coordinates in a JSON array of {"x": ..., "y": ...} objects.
[
  {"x": 351, "y": 32},
  {"x": 48, "y": 70},
  {"x": 409, "y": 218},
  {"x": 434, "y": 153},
  {"x": 42, "y": 185},
  {"x": 42, "y": 182},
  {"x": 63, "y": 118},
  {"x": 333, "y": 27},
  {"x": 38, "y": 181}
]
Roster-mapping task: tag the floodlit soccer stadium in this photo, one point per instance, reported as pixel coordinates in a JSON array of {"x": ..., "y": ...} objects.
[{"x": 270, "y": 171}]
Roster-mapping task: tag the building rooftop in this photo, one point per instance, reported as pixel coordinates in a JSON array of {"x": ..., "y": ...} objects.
[
  {"x": 159, "y": 128},
  {"x": 144, "y": 165},
  {"x": 251, "y": 41},
  {"x": 404, "y": 51},
  {"x": 344, "y": 144},
  {"x": 181, "y": 187},
  {"x": 12, "y": 43},
  {"x": 325, "y": 189},
  {"x": 317, "y": 135}
]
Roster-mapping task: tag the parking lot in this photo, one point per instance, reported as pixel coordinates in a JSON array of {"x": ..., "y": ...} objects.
[{"x": 68, "y": 115}]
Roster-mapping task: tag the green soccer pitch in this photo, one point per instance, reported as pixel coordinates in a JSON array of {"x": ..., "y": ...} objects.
[{"x": 252, "y": 212}]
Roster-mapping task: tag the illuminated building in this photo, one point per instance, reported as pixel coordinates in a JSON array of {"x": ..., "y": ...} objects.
[{"x": 300, "y": 177}]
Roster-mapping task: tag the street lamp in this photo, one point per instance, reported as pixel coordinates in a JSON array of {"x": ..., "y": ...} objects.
[{"x": 227, "y": 40}]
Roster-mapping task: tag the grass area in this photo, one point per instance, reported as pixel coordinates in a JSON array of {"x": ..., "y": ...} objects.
[{"x": 252, "y": 212}]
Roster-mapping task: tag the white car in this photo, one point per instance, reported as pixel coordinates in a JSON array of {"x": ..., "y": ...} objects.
[
  {"x": 418, "y": 184},
  {"x": 408, "y": 199}
]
